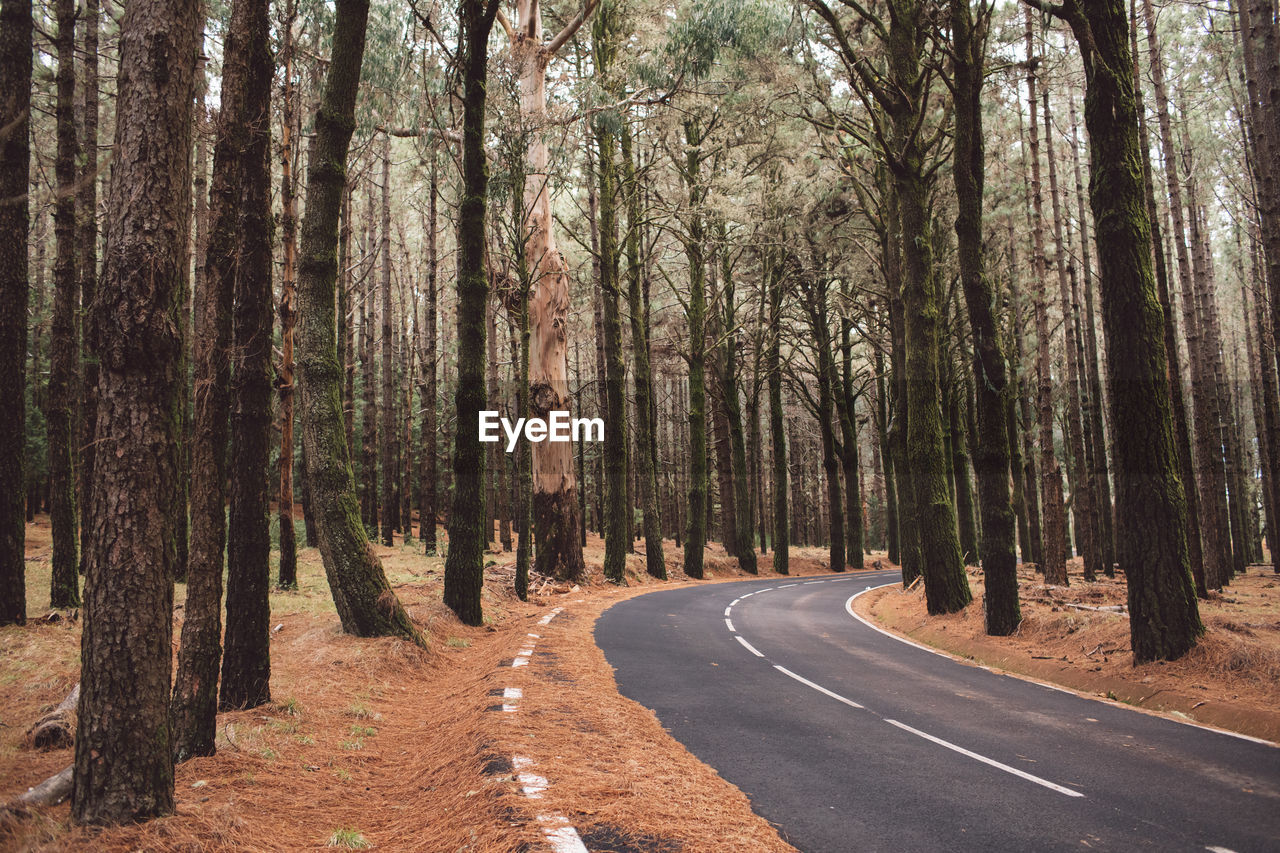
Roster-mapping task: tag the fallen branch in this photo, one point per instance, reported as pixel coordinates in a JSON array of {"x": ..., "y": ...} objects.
[
  {"x": 52, "y": 791},
  {"x": 56, "y": 729}
]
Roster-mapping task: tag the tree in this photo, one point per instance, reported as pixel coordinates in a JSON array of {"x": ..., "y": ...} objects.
[
  {"x": 87, "y": 252},
  {"x": 1164, "y": 621},
  {"x": 195, "y": 694},
  {"x": 15, "y": 163},
  {"x": 464, "y": 564},
  {"x": 123, "y": 759},
  {"x": 288, "y": 577},
  {"x": 60, "y": 414},
  {"x": 246, "y": 654},
  {"x": 365, "y": 601},
  {"x": 387, "y": 447},
  {"x": 430, "y": 395},
  {"x": 555, "y": 500},
  {"x": 991, "y": 463}
]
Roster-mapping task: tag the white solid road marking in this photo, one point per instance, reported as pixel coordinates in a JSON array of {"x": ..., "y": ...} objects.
[
  {"x": 817, "y": 687},
  {"x": 519, "y": 662},
  {"x": 785, "y": 585},
  {"x": 729, "y": 625},
  {"x": 727, "y": 609},
  {"x": 512, "y": 693},
  {"x": 748, "y": 646},
  {"x": 991, "y": 761}
]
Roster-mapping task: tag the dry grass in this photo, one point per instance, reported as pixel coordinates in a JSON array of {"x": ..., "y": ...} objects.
[{"x": 1231, "y": 679}]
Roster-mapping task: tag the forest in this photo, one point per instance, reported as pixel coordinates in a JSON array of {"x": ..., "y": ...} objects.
[{"x": 910, "y": 283}]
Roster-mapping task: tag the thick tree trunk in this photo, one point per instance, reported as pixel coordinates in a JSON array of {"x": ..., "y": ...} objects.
[
  {"x": 124, "y": 761},
  {"x": 464, "y": 566},
  {"x": 246, "y": 655},
  {"x": 555, "y": 499},
  {"x": 15, "y": 162},
  {"x": 1151, "y": 509},
  {"x": 364, "y": 600},
  {"x": 60, "y": 412}
]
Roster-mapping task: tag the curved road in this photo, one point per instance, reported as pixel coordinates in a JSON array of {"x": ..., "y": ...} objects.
[{"x": 850, "y": 740}]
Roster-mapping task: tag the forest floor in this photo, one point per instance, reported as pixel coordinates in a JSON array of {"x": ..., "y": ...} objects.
[
  {"x": 1230, "y": 680},
  {"x": 378, "y": 744}
]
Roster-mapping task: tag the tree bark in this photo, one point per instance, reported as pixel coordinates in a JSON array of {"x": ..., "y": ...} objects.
[
  {"x": 60, "y": 414},
  {"x": 387, "y": 433},
  {"x": 430, "y": 393},
  {"x": 123, "y": 762},
  {"x": 555, "y": 500},
  {"x": 1151, "y": 509},
  {"x": 774, "y": 276},
  {"x": 364, "y": 600},
  {"x": 696, "y": 532},
  {"x": 15, "y": 162},
  {"x": 464, "y": 566},
  {"x": 1053, "y": 519},
  {"x": 288, "y": 578},
  {"x": 87, "y": 248},
  {"x": 246, "y": 653}
]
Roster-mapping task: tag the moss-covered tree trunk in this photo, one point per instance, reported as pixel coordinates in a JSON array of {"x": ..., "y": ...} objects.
[
  {"x": 365, "y": 602},
  {"x": 993, "y": 442},
  {"x": 15, "y": 162},
  {"x": 246, "y": 654},
  {"x": 464, "y": 565},
  {"x": 64, "y": 365},
  {"x": 1151, "y": 510},
  {"x": 123, "y": 752}
]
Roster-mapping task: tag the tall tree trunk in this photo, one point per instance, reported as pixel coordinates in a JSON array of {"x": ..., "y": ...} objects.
[
  {"x": 696, "y": 532},
  {"x": 1052, "y": 512},
  {"x": 87, "y": 244},
  {"x": 15, "y": 162},
  {"x": 846, "y": 414},
  {"x": 123, "y": 762},
  {"x": 65, "y": 362},
  {"x": 246, "y": 655},
  {"x": 1211, "y": 493},
  {"x": 346, "y": 321},
  {"x": 742, "y": 529},
  {"x": 430, "y": 393},
  {"x": 815, "y": 296},
  {"x": 1163, "y": 618},
  {"x": 555, "y": 500},
  {"x": 464, "y": 566},
  {"x": 369, "y": 385},
  {"x": 617, "y": 523},
  {"x": 1082, "y": 490},
  {"x": 646, "y": 463},
  {"x": 1094, "y": 422},
  {"x": 886, "y": 457},
  {"x": 193, "y": 712},
  {"x": 774, "y": 279},
  {"x": 387, "y": 433},
  {"x": 364, "y": 600},
  {"x": 288, "y": 578}
]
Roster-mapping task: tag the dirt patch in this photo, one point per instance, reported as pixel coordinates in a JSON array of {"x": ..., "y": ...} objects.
[
  {"x": 378, "y": 742},
  {"x": 1075, "y": 637}
]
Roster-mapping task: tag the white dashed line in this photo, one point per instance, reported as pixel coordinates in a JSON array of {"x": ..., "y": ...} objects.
[
  {"x": 818, "y": 687},
  {"x": 989, "y": 761},
  {"x": 748, "y": 646},
  {"x": 729, "y": 625}
]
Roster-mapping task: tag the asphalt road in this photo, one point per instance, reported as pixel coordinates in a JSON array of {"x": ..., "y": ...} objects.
[{"x": 850, "y": 740}]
